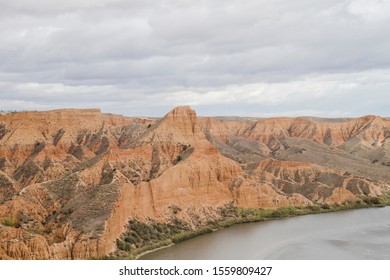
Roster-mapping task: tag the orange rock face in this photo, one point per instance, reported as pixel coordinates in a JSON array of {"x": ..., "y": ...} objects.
[{"x": 70, "y": 180}]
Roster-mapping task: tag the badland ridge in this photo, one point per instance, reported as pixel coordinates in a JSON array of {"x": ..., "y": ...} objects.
[{"x": 70, "y": 180}]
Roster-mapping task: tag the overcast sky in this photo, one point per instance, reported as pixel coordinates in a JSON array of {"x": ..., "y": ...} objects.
[{"x": 231, "y": 57}]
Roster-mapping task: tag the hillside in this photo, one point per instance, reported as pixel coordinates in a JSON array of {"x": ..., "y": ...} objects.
[{"x": 72, "y": 180}]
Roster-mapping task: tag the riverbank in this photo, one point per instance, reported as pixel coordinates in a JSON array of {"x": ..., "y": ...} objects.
[{"x": 233, "y": 216}]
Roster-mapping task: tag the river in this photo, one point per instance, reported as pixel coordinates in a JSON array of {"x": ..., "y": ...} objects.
[{"x": 353, "y": 234}]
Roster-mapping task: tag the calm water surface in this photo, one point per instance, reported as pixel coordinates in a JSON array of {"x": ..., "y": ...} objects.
[{"x": 354, "y": 234}]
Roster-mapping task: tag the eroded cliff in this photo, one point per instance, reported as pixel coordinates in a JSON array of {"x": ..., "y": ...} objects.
[{"x": 70, "y": 180}]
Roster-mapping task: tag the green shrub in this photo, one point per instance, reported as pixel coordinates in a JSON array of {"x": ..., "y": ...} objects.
[
  {"x": 283, "y": 212},
  {"x": 375, "y": 200},
  {"x": 314, "y": 208},
  {"x": 372, "y": 200},
  {"x": 122, "y": 245},
  {"x": 36, "y": 230},
  {"x": 190, "y": 234},
  {"x": 131, "y": 239},
  {"x": 325, "y": 206},
  {"x": 9, "y": 222}
]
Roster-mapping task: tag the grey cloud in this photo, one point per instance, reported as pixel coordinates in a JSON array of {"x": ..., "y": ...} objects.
[{"x": 116, "y": 52}]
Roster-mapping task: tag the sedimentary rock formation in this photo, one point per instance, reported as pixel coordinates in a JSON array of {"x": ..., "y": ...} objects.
[{"x": 71, "y": 179}]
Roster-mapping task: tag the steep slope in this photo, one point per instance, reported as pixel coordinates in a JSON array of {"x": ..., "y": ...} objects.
[
  {"x": 359, "y": 145},
  {"x": 71, "y": 180},
  {"x": 53, "y": 186}
]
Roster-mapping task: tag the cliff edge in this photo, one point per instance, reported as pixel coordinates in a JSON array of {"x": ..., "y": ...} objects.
[{"x": 72, "y": 180}]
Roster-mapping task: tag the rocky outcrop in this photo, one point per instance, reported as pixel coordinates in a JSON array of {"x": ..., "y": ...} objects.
[{"x": 70, "y": 180}]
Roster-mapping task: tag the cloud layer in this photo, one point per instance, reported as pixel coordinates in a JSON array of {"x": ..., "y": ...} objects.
[{"x": 142, "y": 57}]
